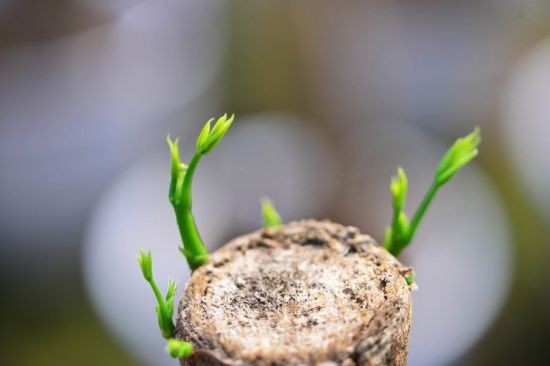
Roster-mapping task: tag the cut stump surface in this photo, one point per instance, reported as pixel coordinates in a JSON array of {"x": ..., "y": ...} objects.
[{"x": 308, "y": 293}]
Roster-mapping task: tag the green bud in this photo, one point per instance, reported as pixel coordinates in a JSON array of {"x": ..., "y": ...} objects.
[
  {"x": 410, "y": 278},
  {"x": 177, "y": 172},
  {"x": 398, "y": 186},
  {"x": 460, "y": 154},
  {"x": 203, "y": 136},
  {"x": 146, "y": 263},
  {"x": 179, "y": 349},
  {"x": 210, "y": 137},
  {"x": 271, "y": 217},
  {"x": 176, "y": 165}
]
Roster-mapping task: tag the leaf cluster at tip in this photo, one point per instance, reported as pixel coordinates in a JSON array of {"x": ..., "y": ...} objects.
[
  {"x": 193, "y": 248},
  {"x": 461, "y": 153},
  {"x": 401, "y": 231},
  {"x": 176, "y": 166},
  {"x": 398, "y": 187},
  {"x": 146, "y": 264},
  {"x": 210, "y": 137}
]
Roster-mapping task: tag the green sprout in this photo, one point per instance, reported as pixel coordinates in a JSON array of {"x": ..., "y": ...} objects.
[
  {"x": 179, "y": 195},
  {"x": 271, "y": 217},
  {"x": 165, "y": 307},
  {"x": 410, "y": 278},
  {"x": 402, "y": 231},
  {"x": 178, "y": 349}
]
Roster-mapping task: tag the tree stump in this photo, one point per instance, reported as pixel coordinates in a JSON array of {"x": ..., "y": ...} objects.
[{"x": 308, "y": 293}]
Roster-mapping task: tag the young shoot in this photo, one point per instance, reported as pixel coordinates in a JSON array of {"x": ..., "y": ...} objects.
[
  {"x": 178, "y": 349},
  {"x": 402, "y": 231},
  {"x": 410, "y": 278},
  {"x": 271, "y": 217},
  {"x": 165, "y": 307},
  {"x": 179, "y": 194}
]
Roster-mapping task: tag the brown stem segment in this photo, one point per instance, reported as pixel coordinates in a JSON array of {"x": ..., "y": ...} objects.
[{"x": 307, "y": 293}]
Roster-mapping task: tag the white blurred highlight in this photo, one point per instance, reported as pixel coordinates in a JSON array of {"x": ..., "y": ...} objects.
[
  {"x": 79, "y": 106},
  {"x": 428, "y": 63},
  {"x": 113, "y": 7},
  {"x": 279, "y": 156},
  {"x": 525, "y": 113}
]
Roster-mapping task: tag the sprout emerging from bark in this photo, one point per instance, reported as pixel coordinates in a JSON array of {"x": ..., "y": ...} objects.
[
  {"x": 271, "y": 217},
  {"x": 165, "y": 307},
  {"x": 193, "y": 247},
  {"x": 179, "y": 194},
  {"x": 401, "y": 232},
  {"x": 178, "y": 349}
]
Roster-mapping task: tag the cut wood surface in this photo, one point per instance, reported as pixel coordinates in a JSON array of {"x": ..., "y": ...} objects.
[{"x": 308, "y": 293}]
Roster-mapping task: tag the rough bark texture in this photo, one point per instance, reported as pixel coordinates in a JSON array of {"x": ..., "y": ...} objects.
[{"x": 309, "y": 293}]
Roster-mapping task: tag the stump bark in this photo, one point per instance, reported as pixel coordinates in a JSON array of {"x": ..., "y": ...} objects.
[{"x": 308, "y": 293}]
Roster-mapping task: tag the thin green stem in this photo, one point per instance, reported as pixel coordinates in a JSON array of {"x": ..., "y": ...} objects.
[
  {"x": 422, "y": 209},
  {"x": 193, "y": 247},
  {"x": 157, "y": 293},
  {"x": 164, "y": 315},
  {"x": 186, "y": 201},
  {"x": 395, "y": 219},
  {"x": 400, "y": 237}
]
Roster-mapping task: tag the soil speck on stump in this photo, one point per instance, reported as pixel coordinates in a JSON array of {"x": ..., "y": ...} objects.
[{"x": 308, "y": 293}]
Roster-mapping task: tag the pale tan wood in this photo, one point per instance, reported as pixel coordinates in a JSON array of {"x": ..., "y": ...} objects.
[{"x": 308, "y": 293}]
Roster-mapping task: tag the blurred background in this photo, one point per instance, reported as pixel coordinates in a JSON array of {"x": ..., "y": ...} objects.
[{"x": 330, "y": 98}]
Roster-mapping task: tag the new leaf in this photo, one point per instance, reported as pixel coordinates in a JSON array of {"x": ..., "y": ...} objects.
[
  {"x": 271, "y": 217},
  {"x": 401, "y": 232}
]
